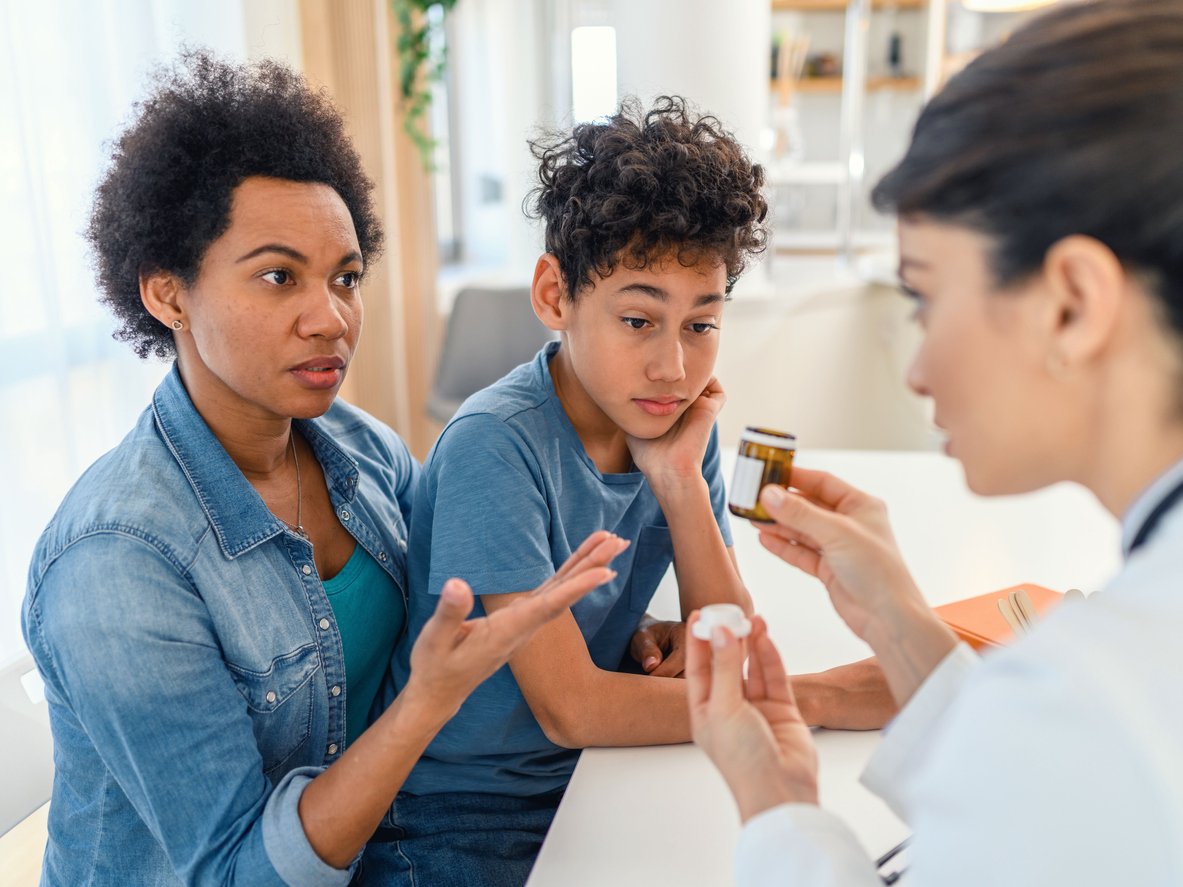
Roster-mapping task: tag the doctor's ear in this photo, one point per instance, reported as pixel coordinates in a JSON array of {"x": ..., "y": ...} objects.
[
  {"x": 548, "y": 294},
  {"x": 1087, "y": 284}
]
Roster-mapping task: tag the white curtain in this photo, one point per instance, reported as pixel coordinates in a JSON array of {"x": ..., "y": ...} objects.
[{"x": 70, "y": 71}]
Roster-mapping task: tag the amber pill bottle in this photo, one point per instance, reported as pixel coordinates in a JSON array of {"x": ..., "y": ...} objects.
[{"x": 765, "y": 457}]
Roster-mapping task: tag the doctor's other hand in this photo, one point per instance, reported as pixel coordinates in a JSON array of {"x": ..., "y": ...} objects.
[
  {"x": 453, "y": 653},
  {"x": 659, "y": 647},
  {"x": 752, "y": 730}
]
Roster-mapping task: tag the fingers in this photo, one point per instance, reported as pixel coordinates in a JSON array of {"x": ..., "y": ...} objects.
[
  {"x": 804, "y": 558},
  {"x": 789, "y": 534},
  {"x": 726, "y": 669},
  {"x": 592, "y": 548},
  {"x": 561, "y": 595},
  {"x": 824, "y": 488},
  {"x": 756, "y": 687},
  {"x": 698, "y": 667},
  {"x": 645, "y": 650},
  {"x": 765, "y": 661},
  {"x": 714, "y": 391},
  {"x": 518, "y": 622},
  {"x": 454, "y": 605},
  {"x": 673, "y": 665},
  {"x": 801, "y": 517}
]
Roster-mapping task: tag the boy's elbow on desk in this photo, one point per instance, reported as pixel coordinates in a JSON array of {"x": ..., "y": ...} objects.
[{"x": 560, "y": 728}]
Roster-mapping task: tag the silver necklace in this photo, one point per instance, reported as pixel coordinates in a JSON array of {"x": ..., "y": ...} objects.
[{"x": 299, "y": 527}]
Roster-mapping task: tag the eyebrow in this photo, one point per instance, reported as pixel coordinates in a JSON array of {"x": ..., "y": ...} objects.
[
  {"x": 661, "y": 295},
  {"x": 295, "y": 255}
]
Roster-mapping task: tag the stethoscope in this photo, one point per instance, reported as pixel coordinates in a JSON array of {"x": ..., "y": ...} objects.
[{"x": 1150, "y": 524}]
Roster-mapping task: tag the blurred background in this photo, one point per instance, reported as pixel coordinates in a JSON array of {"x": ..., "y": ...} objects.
[{"x": 823, "y": 92}]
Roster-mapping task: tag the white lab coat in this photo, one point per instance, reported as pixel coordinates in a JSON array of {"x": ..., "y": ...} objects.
[{"x": 1058, "y": 761}]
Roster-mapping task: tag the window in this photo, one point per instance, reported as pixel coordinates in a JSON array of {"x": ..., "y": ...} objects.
[{"x": 69, "y": 72}]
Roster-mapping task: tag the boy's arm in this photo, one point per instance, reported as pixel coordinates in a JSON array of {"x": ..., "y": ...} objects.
[
  {"x": 682, "y": 467},
  {"x": 578, "y": 704},
  {"x": 705, "y": 566}
]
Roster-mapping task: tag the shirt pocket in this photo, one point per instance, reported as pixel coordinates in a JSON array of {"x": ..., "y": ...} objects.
[
  {"x": 653, "y": 556},
  {"x": 279, "y": 702}
]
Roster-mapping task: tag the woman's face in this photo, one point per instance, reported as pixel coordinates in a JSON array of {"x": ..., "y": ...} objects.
[
  {"x": 273, "y": 318},
  {"x": 984, "y": 361}
]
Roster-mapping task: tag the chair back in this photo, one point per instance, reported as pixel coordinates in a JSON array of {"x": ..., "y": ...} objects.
[
  {"x": 26, "y": 740},
  {"x": 490, "y": 331}
]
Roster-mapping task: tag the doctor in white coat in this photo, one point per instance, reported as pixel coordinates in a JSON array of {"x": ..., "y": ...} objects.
[{"x": 1040, "y": 211}]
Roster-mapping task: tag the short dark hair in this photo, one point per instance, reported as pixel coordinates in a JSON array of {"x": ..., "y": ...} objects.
[
  {"x": 207, "y": 126},
  {"x": 1074, "y": 125},
  {"x": 641, "y": 186}
]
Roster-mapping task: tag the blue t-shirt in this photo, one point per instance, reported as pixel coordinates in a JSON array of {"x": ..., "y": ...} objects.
[{"x": 507, "y": 494}]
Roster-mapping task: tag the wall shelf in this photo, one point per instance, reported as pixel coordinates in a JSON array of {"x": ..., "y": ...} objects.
[
  {"x": 840, "y": 5},
  {"x": 834, "y": 84}
]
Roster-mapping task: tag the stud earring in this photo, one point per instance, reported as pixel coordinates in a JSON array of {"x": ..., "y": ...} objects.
[{"x": 177, "y": 325}]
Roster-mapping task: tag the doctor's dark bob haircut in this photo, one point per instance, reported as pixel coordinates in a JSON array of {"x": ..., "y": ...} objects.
[
  {"x": 206, "y": 127},
  {"x": 1074, "y": 125},
  {"x": 644, "y": 186}
]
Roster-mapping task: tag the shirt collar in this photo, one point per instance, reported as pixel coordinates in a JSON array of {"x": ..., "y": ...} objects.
[
  {"x": 237, "y": 513},
  {"x": 1145, "y": 503}
]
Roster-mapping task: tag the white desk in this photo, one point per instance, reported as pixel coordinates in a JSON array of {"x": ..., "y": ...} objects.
[{"x": 655, "y": 816}]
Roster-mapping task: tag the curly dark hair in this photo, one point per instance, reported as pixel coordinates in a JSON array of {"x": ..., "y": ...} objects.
[
  {"x": 641, "y": 186},
  {"x": 206, "y": 127}
]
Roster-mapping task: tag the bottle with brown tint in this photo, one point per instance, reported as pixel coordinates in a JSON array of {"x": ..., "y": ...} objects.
[{"x": 765, "y": 457}]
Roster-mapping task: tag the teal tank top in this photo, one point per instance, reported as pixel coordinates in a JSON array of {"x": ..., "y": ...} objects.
[{"x": 370, "y": 614}]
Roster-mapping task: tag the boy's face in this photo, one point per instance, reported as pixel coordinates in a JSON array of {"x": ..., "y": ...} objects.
[{"x": 640, "y": 346}]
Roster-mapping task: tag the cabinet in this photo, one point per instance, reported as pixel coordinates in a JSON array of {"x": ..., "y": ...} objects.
[{"x": 847, "y": 80}]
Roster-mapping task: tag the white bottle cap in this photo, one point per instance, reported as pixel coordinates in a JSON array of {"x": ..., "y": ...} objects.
[{"x": 728, "y": 616}]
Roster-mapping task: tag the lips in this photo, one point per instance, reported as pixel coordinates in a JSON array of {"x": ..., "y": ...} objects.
[
  {"x": 320, "y": 373},
  {"x": 659, "y": 406}
]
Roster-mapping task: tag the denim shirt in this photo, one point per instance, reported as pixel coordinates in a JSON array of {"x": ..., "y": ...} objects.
[{"x": 193, "y": 668}]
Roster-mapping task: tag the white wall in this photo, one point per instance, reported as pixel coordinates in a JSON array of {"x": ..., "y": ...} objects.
[
  {"x": 713, "y": 53},
  {"x": 501, "y": 71}
]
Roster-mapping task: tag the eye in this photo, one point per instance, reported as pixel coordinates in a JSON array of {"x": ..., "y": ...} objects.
[
  {"x": 279, "y": 277},
  {"x": 703, "y": 328},
  {"x": 349, "y": 280},
  {"x": 921, "y": 304},
  {"x": 635, "y": 323}
]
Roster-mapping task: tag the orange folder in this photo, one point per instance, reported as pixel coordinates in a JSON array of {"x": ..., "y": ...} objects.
[{"x": 978, "y": 622}]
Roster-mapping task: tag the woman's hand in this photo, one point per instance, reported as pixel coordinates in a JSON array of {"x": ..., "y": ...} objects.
[
  {"x": 830, "y": 530},
  {"x": 839, "y": 534},
  {"x": 751, "y": 730},
  {"x": 453, "y": 654},
  {"x": 677, "y": 455},
  {"x": 659, "y": 647}
]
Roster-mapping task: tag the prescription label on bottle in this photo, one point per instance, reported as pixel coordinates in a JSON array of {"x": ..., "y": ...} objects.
[{"x": 745, "y": 483}]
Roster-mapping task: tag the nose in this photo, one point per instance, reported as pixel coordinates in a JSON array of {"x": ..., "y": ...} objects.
[
  {"x": 666, "y": 360},
  {"x": 324, "y": 314},
  {"x": 915, "y": 377}
]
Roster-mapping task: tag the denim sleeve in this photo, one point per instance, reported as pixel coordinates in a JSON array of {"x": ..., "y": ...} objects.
[
  {"x": 713, "y": 472},
  {"x": 407, "y": 468},
  {"x": 129, "y": 646},
  {"x": 491, "y": 522}
]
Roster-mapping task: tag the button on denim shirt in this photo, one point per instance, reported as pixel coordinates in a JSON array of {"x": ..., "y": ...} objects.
[{"x": 189, "y": 652}]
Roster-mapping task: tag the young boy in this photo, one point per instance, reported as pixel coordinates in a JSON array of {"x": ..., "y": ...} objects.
[{"x": 649, "y": 220}]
